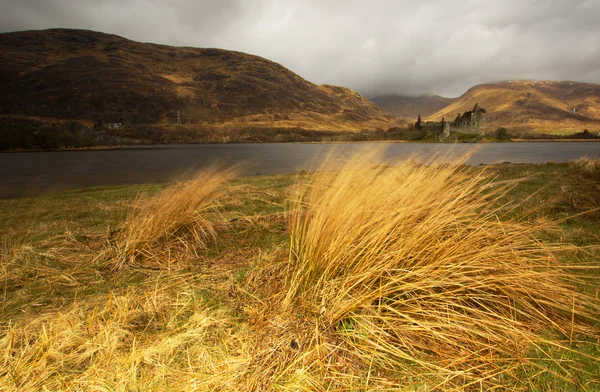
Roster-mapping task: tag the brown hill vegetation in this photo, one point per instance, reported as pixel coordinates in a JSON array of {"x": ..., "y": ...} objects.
[
  {"x": 410, "y": 106},
  {"x": 548, "y": 107},
  {"x": 95, "y": 77}
]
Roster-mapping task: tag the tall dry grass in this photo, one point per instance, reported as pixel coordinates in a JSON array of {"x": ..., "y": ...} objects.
[
  {"x": 164, "y": 230},
  {"x": 413, "y": 270},
  {"x": 396, "y": 278},
  {"x": 587, "y": 165}
]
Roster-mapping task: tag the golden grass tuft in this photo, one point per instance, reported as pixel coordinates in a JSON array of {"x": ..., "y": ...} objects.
[
  {"x": 413, "y": 271},
  {"x": 164, "y": 230}
]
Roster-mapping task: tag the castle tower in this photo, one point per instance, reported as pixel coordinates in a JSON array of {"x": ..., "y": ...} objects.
[
  {"x": 419, "y": 123},
  {"x": 445, "y": 129},
  {"x": 478, "y": 117}
]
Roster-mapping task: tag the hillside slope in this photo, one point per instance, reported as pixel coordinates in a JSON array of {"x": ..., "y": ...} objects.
[
  {"x": 532, "y": 106},
  {"x": 91, "y": 76},
  {"x": 410, "y": 106}
]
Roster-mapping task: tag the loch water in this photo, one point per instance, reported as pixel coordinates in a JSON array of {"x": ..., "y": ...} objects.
[{"x": 33, "y": 173}]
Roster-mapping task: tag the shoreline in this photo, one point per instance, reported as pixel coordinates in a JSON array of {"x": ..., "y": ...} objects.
[
  {"x": 57, "y": 192},
  {"x": 151, "y": 146}
]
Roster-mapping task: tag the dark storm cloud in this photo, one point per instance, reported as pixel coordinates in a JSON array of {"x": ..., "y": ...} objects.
[{"x": 410, "y": 46}]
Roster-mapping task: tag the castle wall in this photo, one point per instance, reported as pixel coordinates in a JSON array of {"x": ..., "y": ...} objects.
[
  {"x": 432, "y": 127},
  {"x": 471, "y": 122},
  {"x": 470, "y": 130}
]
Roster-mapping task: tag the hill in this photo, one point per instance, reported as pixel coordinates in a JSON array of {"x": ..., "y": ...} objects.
[
  {"x": 410, "y": 106},
  {"x": 532, "y": 106},
  {"x": 95, "y": 77}
]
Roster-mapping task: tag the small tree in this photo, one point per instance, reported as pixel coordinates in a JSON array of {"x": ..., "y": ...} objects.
[{"x": 502, "y": 134}]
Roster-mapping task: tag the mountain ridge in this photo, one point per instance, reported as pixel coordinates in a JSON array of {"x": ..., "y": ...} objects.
[
  {"x": 96, "y": 77},
  {"x": 534, "y": 106},
  {"x": 522, "y": 106}
]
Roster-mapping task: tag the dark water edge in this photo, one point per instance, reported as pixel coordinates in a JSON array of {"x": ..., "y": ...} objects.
[{"x": 34, "y": 173}]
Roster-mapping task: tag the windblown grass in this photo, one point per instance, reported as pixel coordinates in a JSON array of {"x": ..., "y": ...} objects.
[
  {"x": 587, "y": 165},
  {"x": 164, "y": 230},
  {"x": 410, "y": 277},
  {"x": 416, "y": 273}
]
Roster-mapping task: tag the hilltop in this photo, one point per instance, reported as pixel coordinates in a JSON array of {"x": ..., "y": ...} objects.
[
  {"x": 549, "y": 107},
  {"x": 92, "y": 77},
  {"x": 410, "y": 106}
]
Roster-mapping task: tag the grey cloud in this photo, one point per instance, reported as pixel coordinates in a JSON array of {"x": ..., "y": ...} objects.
[
  {"x": 385, "y": 46},
  {"x": 209, "y": 18}
]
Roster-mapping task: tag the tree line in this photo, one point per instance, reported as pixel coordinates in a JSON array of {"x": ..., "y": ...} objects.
[{"x": 26, "y": 134}]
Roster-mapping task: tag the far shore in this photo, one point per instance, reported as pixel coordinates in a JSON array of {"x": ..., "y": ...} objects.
[{"x": 161, "y": 146}]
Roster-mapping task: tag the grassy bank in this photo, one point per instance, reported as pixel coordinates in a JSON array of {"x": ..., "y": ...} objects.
[{"x": 366, "y": 279}]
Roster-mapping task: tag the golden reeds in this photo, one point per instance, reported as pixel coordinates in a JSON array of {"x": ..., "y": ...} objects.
[
  {"x": 164, "y": 230},
  {"x": 396, "y": 278},
  {"x": 413, "y": 268}
]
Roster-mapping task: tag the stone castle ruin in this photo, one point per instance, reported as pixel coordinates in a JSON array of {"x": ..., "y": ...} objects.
[{"x": 471, "y": 122}]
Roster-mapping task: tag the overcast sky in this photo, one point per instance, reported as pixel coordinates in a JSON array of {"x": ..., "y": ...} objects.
[{"x": 372, "y": 46}]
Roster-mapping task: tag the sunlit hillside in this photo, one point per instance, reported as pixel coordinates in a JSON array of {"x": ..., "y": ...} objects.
[
  {"x": 536, "y": 106},
  {"x": 95, "y": 77}
]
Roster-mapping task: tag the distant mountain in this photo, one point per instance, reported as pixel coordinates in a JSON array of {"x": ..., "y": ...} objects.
[
  {"x": 532, "y": 106},
  {"x": 410, "y": 106},
  {"x": 91, "y": 76}
]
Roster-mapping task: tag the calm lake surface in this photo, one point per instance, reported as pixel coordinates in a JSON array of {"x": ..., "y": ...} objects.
[{"x": 34, "y": 173}]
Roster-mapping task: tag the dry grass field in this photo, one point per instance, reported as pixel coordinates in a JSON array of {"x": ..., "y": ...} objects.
[{"x": 408, "y": 277}]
